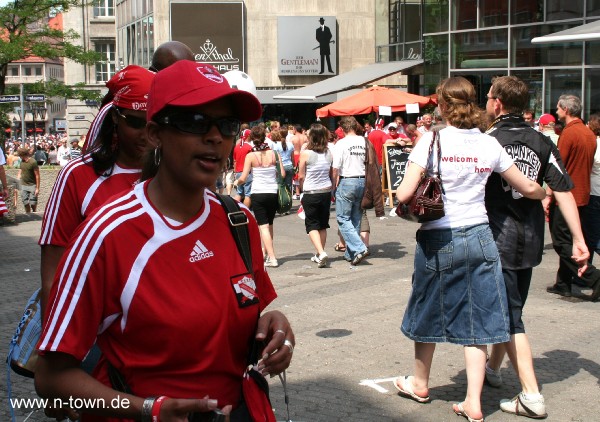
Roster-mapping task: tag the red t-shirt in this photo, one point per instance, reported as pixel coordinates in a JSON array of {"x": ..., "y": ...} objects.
[
  {"x": 378, "y": 138},
  {"x": 577, "y": 146},
  {"x": 77, "y": 192},
  {"x": 171, "y": 307},
  {"x": 239, "y": 155}
]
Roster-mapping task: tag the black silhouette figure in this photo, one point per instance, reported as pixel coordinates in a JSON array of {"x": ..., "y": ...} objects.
[{"x": 324, "y": 37}]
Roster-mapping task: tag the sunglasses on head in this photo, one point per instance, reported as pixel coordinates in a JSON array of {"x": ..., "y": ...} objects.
[
  {"x": 132, "y": 121},
  {"x": 200, "y": 124}
]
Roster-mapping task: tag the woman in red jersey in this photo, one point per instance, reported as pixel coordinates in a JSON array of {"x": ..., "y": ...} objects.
[
  {"x": 153, "y": 277},
  {"x": 88, "y": 181}
]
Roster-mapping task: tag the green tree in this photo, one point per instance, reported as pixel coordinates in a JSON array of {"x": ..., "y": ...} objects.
[{"x": 25, "y": 32}]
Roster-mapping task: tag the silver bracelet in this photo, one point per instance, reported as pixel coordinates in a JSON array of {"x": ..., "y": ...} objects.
[{"x": 147, "y": 409}]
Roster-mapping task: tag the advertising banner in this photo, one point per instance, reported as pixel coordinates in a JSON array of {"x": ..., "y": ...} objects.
[
  {"x": 214, "y": 31},
  {"x": 307, "y": 45}
]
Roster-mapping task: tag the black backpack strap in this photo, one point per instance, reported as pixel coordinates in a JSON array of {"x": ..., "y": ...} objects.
[{"x": 238, "y": 223}]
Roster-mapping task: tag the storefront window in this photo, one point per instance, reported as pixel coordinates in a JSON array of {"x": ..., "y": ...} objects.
[
  {"x": 493, "y": 13},
  {"x": 534, "y": 80},
  {"x": 481, "y": 49},
  {"x": 482, "y": 81},
  {"x": 436, "y": 61},
  {"x": 526, "y": 54},
  {"x": 526, "y": 11},
  {"x": 559, "y": 82},
  {"x": 464, "y": 14},
  {"x": 592, "y": 52},
  {"x": 563, "y": 9},
  {"x": 592, "y": 92},
  {"x": 435, "y": 16},
  {"x": 593, "y": 8}
]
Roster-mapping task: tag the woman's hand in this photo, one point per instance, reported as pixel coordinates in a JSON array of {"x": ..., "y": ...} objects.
[{"x": 274, "y": 328}]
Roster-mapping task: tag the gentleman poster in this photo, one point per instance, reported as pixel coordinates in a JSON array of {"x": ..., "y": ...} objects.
[{"x": 307, "y": 45}]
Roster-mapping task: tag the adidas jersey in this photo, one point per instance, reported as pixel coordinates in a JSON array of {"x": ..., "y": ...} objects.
[
  {"x": 77, "y": 192},
  {"x": 171, "y": 307}
]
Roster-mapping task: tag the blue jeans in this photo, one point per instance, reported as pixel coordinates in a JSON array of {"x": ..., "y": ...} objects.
[
  {"x": 458, "y": 291},
  {"x": 244, "y": 190},
  {"x": 348, "y": 195}
]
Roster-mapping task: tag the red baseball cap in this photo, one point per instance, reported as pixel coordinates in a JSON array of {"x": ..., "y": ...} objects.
[
  {"x": 546, "y": 118},
  {"x": 130, "y": 87},
  {"x": 186, "y": 83},
  {"x": 340, "y": 133}
]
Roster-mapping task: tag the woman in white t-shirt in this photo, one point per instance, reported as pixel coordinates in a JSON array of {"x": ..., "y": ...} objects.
[
  {"x": 314, "y": 176},
  {"x": 458, "y": 293}
]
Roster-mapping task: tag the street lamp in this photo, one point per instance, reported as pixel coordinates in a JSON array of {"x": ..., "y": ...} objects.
[{"x": 41, "y": 113}]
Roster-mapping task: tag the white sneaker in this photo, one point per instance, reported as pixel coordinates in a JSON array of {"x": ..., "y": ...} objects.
[
  {"x": 295, "y": 197},
  {"x": 493, "y": 378},
  {"x": 271, "y": 262},
  {"x": 314, "y": 258},
  {"x": 322, "y": 260},
  {"x": 522, "y": 406}
]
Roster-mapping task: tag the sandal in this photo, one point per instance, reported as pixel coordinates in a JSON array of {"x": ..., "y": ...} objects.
[
  {"x": 406, "y": 390},
  {"x": 339, "y": 248},
  {"x": 460, "y": 411}
]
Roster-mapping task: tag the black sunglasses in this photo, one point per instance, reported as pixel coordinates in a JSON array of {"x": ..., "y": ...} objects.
[
  {"x": 200, "y": 124},
  {"x": 132, "y": 121}
]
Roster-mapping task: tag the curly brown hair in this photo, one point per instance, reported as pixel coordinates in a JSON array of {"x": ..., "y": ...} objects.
[{"x": 456, "y": 97}]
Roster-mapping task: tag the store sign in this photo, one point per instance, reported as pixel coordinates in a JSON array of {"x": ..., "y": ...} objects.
[
  {"x": 307, "y": 45},
  {"x": 35, "y": 97},
  {"x": 214, "y": 31},
  {"x": 60, "y": 125},
  {"x": 10, "y": 98}
]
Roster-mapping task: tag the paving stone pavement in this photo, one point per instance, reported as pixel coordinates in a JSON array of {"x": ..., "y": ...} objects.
[{"x": 346, "y": 320}]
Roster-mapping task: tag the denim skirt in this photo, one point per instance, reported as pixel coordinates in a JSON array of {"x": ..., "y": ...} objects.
[{"x": 458, "y": 293}]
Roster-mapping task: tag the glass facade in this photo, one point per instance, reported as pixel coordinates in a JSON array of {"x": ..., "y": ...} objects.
[
  {"x": 480, "y": 39},
  {"x": 405, "y": 33}
]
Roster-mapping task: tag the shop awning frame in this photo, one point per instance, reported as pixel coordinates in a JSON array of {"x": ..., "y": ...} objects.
[
  {"x": 355, "y": 78},
  {"x": 588, "y": 32}
]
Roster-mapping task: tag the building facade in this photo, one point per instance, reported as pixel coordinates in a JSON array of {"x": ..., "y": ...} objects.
[
  {"x": 95, "y": 23},
  {"x": 480, "y": 39},
  {"x": 248, "y": 36}
]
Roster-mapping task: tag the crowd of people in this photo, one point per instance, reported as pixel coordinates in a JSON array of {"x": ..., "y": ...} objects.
[{"x": 172, "y": 138}]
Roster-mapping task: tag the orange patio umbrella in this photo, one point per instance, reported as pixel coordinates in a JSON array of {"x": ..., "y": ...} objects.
[{"x": 369, "y": 100}]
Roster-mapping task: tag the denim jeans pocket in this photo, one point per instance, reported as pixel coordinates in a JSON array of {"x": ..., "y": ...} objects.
[
  {"x": 488, "y": 245},
  {"x": 438, "y": 255}
]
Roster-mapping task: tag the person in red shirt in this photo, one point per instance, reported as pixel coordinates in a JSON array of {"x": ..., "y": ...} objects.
[
  {"x": 113, "y": 165},
  {"x": 378, "y": 137},
  {"x": 154, "y": 277},
  {"x": 577, "y": 146}
]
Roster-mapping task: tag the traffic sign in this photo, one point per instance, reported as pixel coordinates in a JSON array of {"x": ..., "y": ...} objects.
[
  {"x": 35, "y": 97},
  {"x": 10, "y": 98}
]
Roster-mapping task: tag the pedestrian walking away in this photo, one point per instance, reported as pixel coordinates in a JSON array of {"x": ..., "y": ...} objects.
[{"x": 458, "y": 293}]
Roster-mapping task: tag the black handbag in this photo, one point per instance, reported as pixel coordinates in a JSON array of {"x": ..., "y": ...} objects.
[{"x": 427, "y": 203}]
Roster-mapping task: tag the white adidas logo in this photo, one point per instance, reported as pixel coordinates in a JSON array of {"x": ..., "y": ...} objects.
[{"x": 200, "y": 252}]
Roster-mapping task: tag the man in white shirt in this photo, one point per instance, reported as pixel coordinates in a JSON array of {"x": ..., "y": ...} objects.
[
  {"x": 64, "y": 153},
  {"x": 349, "y": 175}
]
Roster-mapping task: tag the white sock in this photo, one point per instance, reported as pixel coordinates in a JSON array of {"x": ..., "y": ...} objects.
[{"x": 531, "y": 396}]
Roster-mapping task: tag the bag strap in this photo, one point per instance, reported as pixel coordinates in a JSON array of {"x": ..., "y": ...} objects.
[
  {"x": 436, "y": 141},
  {"x": 238, "y": 224}
]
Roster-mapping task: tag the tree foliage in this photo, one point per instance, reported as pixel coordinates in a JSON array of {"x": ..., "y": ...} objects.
[{"x": 25, "y": 32}]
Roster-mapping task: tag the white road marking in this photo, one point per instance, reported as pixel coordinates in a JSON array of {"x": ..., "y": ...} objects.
[{"x": 374, "y": 383}]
